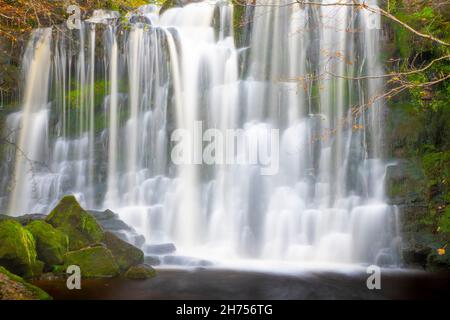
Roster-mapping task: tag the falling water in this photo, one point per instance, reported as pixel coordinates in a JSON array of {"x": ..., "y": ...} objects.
[{"x": 118, "y": 91}]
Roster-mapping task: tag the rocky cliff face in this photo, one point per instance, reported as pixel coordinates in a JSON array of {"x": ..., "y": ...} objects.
[{"x": 418, "y": 133}]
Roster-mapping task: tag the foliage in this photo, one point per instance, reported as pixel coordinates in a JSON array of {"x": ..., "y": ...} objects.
[{"x": 419, "y": 121}]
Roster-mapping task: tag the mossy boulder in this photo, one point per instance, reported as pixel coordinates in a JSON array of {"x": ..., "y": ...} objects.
[
  {"x": 18, "y": 249},
  {"x": 94, "y": 262},
  {"x": 140, "y": 272},
  {"x": 125, "y": 254},
  {"x": 70, "y": 218},
  {"x": 13, "y": 287},
  {"x": 51, "y": 243}
]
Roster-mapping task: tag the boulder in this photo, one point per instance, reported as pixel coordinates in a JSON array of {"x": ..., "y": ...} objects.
[
  {"x": 185, "y": 261},
  {"x": 28, "y": 218},
  {"x": 140, "y": 272},
  {"x": 18, "y": 249},
  {"x": 51, "y": 243},
  {"x": 163, "y": 248},
  {"x": 94, "y": 262},
  {"x": 13, "y": 287},
  {"x": 125, "y": 254},
  {"x": 110, "y": 221},
  {"x": 152, "y": 260},
  {"x": 70, "y": 218}
]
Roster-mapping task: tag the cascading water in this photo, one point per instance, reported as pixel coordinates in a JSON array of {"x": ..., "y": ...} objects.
[{"x": 101, "y": 104}]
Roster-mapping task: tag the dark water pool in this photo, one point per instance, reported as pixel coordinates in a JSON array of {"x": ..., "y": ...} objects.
[{"x": 226, "y": 284}]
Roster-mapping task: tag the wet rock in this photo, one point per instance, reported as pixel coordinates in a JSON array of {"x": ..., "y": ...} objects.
[
  {"x": 163, "y": 248},
  {"x": 152, "y": 260},
  {"x": 185, "y": 261},
  {"x": 18, "y": 249},
  {"x": 28, "y": 218},
  {"x": 125, "y": 254},
  {"x": 13, "y": 287},
  {"x": 51, "y": 243},
  {"x": 140, "y": 272},
  {"x": 97, "y": 262},
  {"x": 110, "y": 221},
  {"x": 404, "y": 183},
  {"x": 70, "y": 218}
]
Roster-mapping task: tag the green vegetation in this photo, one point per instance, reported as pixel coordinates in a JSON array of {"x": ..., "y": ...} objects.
[
  {"x": 124, "y": 253},
  {"x": 140, "y": 272},
  {"x": 238, "y": 21},
  {"x": 51, "y": 244},
  {"x": 13, "y": 287},
  {"x": 97, "y": 253},
  {"x": 93, "y": 262},
  {"x": 80, "y": 226},
  {"x": 419, "y": 125},
  {"x": 18, "y": 249}
]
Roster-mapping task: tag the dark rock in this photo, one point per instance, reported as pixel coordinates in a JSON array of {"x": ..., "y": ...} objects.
[
  {"x": 140, "y": 19},
  {"x": 28, "y": 218},
  {"x": 138, "y": 240},
  {"x": 185, "y": 261},
  {"x": 103, "y": 215},
  {"x": 163, "y": 248},
  {"x": 125, "y": 254},
  {"x": 404, "y": 183},
  {"x": 152, "y": 260},
  {"x": 140, "y": 272},
  {"x": 110, "y": 221},
  {"x": 415, "y": 256}
]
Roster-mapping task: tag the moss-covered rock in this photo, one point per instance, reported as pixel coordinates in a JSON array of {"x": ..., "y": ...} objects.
[
  {"x": 94, "y": 262},
  {"x": 51, "y": 243},
  {"x": 70, "y": 218},
  {"x": 18, "y": 249},
  {"x": 125, "y": 254},
  {"x": 140, "y": 272},
  {"x": 13, "y": 287}
]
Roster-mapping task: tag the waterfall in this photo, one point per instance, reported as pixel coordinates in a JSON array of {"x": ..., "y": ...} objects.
[{"x": 104, "y": 109}]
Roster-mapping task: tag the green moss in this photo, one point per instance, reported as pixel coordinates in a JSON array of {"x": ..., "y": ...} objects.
[
  {"x": 125, "y": 5},
  {"x": 51, "y": 244},
  {"x": 31, "y": 292},
  {"x": 18, "y": 249},
  {"x": 140, "y": 272},
  {"x": 93, "y": 262},
  {"x": 70, "y": 218},
  {"x": 124, "y": 253}
]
